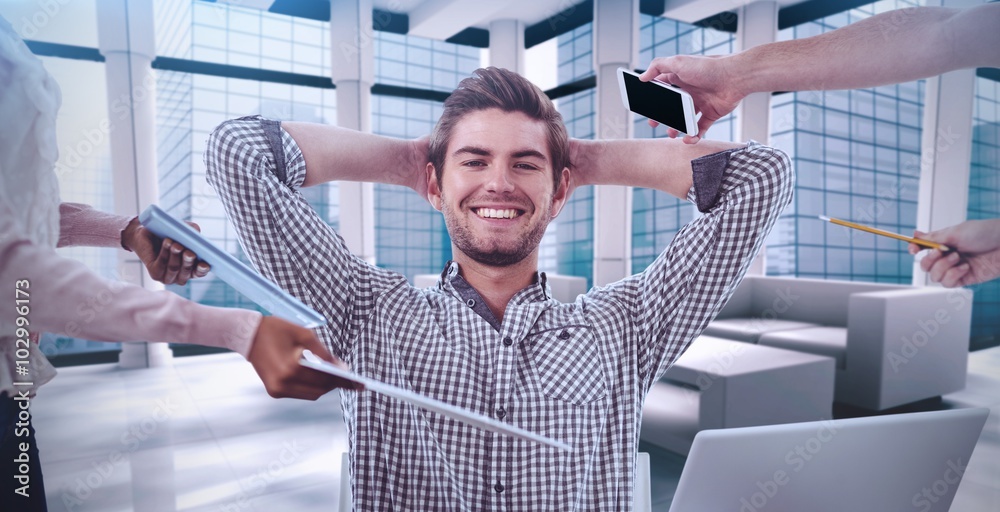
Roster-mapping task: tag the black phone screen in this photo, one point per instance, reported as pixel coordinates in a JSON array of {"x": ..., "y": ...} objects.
[{"x": 657, "y": 103}]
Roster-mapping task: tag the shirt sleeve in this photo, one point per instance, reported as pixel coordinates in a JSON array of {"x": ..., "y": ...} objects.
[
  {"x": 81, "y": 224},
  {"x": 67, "y": 298},
  {"x": 257, "y": 170},
  {"x": 741, "y": 193}
]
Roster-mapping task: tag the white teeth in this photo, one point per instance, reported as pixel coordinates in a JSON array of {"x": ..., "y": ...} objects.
[{"x": 492, "y": 213}]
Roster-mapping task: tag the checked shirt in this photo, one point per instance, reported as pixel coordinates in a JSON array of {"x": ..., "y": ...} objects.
[{"x": 574, "y": 372}]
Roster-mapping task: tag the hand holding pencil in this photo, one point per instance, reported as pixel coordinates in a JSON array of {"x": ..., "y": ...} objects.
[
  {"x": 975, "y": 257},
  {"x": 960, "y": 255},
  {"x": 913, "y": 241}
]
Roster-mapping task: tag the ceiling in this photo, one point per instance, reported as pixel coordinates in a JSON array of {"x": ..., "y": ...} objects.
[{"x": 448, "y": 19}]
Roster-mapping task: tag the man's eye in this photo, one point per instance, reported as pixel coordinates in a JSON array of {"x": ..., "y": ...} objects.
[
  {"x": 527, "y": 166},
  {"x": 474, "y": 163}
]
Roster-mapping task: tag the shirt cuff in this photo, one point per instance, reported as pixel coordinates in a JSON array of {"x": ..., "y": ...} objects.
[{"x": 707, "y": 173}]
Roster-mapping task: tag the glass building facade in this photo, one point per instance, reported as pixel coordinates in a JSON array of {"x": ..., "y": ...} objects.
[
  {"x": 984, "y": 203},
  {"x": 569, "y": 242},
  {"x": 190, "y": 106},
  {"x": 857, "y": 157}
]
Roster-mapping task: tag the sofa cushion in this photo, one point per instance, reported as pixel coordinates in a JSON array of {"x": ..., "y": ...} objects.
[
  {"x": 750, "y": 329},
  {"x": 824, "y": 341}
]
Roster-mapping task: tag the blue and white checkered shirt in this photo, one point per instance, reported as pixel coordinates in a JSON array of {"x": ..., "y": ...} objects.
[{"x": 575, "y": 372}]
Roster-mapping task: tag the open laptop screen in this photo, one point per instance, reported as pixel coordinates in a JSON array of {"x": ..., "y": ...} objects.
[{"x": 882, "y": 463}]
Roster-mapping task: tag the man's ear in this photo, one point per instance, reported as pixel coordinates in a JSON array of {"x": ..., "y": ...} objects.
[
  {"x": 433, "y": 188},
  {"x": 561, "y": 195}
]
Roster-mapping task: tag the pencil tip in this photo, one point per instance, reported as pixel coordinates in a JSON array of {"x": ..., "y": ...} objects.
[{"x": 824, "y": 217}]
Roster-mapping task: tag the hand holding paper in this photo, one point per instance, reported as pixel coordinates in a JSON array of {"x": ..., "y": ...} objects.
[{"x": 310, "y": 360}]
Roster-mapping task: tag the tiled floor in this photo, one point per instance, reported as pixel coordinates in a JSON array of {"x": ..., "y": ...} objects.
[{"x": 204, "y": 436}]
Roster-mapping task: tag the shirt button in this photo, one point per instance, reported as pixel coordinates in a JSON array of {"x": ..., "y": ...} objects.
[
  {"x": 507, "y": 341},
  {"x": 564, "y": 335},
  {"x": 498, "y": 487},
  {"x": 471, "y": 303},
  {"x": 501, "y": 412}
]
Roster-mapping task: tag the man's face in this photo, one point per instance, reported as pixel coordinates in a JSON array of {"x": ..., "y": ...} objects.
[{"x": 497, "y": 194}]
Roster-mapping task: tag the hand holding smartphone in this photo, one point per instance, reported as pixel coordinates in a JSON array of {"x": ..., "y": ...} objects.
[{"x": 658, "y": 101}]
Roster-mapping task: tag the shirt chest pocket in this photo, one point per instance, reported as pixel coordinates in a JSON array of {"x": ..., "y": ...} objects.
[{"x": 566, "y": 363}]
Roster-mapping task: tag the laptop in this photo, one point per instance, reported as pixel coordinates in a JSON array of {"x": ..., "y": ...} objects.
[{"x": 881, "y": 463}]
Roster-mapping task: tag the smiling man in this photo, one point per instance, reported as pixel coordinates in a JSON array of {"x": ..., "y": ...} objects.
[{"x": 489, "y": 337}]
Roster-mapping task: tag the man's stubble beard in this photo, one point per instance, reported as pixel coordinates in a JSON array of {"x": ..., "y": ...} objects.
[{"x": 491, "y": 253}]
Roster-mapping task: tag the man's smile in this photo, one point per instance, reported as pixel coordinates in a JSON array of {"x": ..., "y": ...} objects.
[{"x": 498, "y": 213}]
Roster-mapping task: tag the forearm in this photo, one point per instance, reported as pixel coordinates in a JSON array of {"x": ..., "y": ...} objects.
[
  {"x": 332, "y": 153},
  {"x": 82, "y": 225},
  {"x": 661, "y": 164},
  {"x": 69, "y": 299},
  {"x": 257, "y": 178},
  {"x": 892, "y": 47}
]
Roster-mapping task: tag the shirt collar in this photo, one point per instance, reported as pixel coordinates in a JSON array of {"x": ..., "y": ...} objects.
[{"x": 538, "y": 291}]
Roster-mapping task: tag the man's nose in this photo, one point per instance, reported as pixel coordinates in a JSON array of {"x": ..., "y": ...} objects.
[{"x": 500, "y": 179}]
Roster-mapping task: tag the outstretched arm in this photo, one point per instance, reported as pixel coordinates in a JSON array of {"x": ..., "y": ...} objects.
[{"x": 892, "y": 47}]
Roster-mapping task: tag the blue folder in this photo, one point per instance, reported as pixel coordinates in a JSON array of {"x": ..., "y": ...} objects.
[{"x": 232, "y": 271}]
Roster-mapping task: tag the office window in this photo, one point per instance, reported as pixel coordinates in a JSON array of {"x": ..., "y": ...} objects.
[
  {"x": 421, "y": 63},
  {"x": 568, "y": 244},
  {"x": 576, "y": 58},
  {"x": 984, "y": 203},
  {"x": 190, "y": 106},
  {"x": 241, "y": 36},
  {"x": 656, "y": 215},
  {"x": 857, "y": 156}
]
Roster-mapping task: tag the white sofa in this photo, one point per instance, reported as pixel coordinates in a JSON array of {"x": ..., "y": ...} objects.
[
  {"x": 719, "y": 383},
  {"x": 893, "y": 344}
]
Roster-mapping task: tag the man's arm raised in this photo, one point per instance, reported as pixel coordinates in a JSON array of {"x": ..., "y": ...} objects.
[
  {"x": 661, "y": 164},
  {"x": 257, "y": 169},
  {"x": 740, "y": 191},
  {"x": 332, "y": 153}
]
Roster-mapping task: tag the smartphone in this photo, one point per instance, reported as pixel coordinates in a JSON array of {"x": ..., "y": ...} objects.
[{"x": 658, "y": 101}]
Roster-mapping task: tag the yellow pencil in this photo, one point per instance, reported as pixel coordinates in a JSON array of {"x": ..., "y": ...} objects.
[{"x": 923, "y": 243}]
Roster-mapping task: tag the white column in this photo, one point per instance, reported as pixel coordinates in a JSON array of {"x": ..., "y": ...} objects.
[
  {"x": 757, "y": 24},
  {"x": 946, "y": 149},
  {"x": 507, "y": 45},
  {"x": 352, "y": 67},
  {"x": 125, "y": 39},
  {"x": 616, "y": 43}
]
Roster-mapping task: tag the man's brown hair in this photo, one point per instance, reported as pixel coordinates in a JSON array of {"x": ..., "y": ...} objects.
[{"x": 510, "y": 92}]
